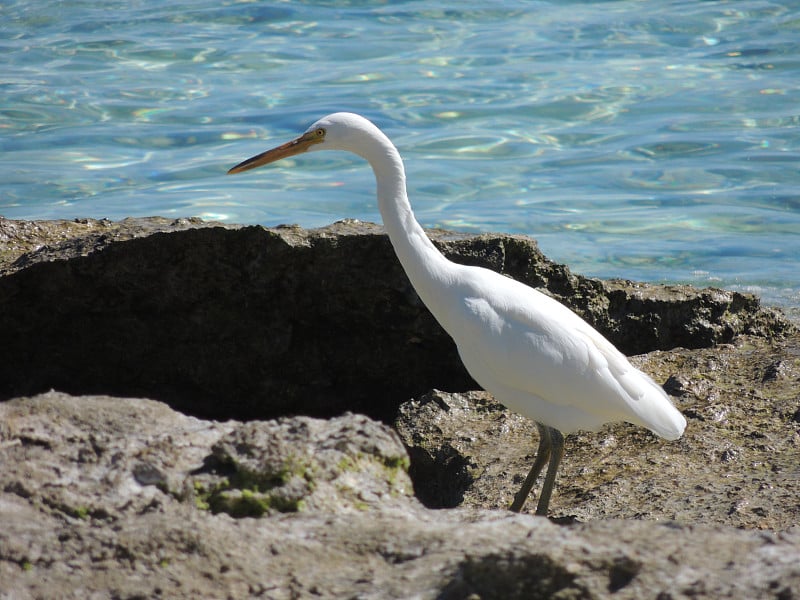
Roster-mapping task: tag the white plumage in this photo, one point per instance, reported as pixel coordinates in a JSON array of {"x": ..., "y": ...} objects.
[{"x": 531, "y": 352}]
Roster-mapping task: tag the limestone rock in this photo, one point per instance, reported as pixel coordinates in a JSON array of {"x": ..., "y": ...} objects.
[
  {"x": 89, "y": 510},
  {"x": 735, "y": 465},
  {"x": 114, "y": 497},
  {"x": 247, "y": 322},
  {"x": 114, "y": 457}
]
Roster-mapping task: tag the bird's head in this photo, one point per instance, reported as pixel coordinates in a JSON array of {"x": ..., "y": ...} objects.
[{"x": 339, "y": 131}]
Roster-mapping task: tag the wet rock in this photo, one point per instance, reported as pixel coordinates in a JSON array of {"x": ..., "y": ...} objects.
[{"x": 247, "y": 322}]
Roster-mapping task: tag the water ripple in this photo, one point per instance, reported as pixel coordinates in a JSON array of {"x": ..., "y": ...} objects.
[{"x": 653, "y": 141}]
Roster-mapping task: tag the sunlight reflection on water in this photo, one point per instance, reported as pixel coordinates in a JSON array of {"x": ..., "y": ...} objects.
[{"x": 647, "y": 141}]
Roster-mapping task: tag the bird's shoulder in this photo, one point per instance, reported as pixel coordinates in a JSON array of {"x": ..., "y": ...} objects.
[
  {"x": 524, "y": 312},
  {"x": 516, "y": 301}
]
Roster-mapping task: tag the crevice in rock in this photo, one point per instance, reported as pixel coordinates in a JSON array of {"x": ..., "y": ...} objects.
[{"x": 247, "y": 322}]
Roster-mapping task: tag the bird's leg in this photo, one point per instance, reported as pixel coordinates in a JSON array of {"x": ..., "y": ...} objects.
[
  {"x": 542, "y": 456},
  {"x": 556, "y": 452}
]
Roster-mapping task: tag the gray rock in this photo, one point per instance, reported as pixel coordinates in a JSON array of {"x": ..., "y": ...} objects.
[
  {"x": 90, "y": 506},
  {"x": 247, "y": 322},
  {"x": 111, "y": 497},
  {"x": 117, "y": 457},
  {"x": 736, "y": 464}
]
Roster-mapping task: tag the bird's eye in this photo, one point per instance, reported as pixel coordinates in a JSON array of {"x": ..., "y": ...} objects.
[{"x": 320, "y": 132}]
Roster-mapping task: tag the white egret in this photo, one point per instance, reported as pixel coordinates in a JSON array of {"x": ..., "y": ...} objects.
[{"x": 532, "y": 353}]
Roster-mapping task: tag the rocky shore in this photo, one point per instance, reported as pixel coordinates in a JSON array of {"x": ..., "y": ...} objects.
[{"x": 294, "y": 442}]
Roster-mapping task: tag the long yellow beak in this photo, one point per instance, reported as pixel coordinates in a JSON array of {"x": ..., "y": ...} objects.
[{"x": 297, "y": 146}]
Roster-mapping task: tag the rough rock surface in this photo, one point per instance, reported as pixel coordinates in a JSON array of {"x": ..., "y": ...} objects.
[
  {"x": 248, "y": 322},
  {"x": 109, "y": 497},
  {"x": 737, "y": 463}
]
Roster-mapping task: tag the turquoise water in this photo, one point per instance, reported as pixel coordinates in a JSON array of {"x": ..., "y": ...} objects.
[{"x": 640, "y": 139}]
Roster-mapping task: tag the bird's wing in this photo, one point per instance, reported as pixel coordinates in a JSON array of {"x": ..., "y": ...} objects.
[{"x": 536, "y": 345}]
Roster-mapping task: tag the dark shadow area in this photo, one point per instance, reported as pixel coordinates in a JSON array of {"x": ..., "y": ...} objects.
[
  {"x": 439, "y": 481},
  {"x": 251, "y": 323},
  {"x": 511, "y": 577},
  {"x": 226, "y": 324}
]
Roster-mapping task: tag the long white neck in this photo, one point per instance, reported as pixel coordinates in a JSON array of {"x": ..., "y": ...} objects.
[{"x": 425, "y": 266}]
